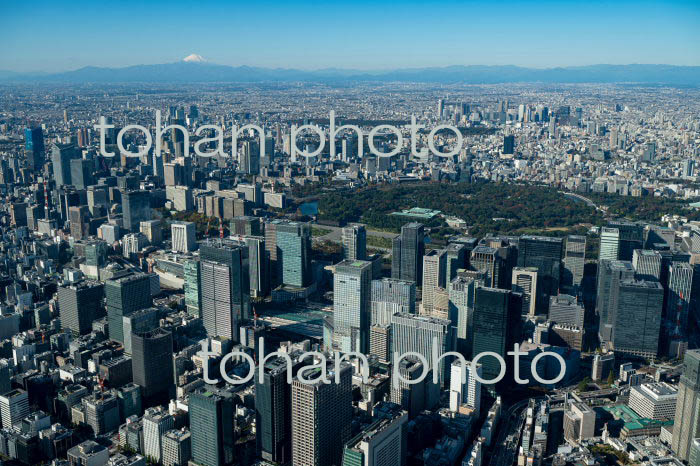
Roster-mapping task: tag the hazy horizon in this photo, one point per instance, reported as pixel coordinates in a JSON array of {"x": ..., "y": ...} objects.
[{"x": 43, "y": 37}]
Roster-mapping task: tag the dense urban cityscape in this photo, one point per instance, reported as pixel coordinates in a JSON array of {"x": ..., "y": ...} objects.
[{"x": 142, "y": 295}]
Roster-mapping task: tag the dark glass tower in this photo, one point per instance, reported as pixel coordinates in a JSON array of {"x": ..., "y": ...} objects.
[
  {"x": 273, "y": 412},
  {"x": 124, "y": 295},
  {"x": 136, "y": 208},
  {"x": 407, "y": 253},
  {"x": 211, "y": 424},
  {"x": 152, "y": 364},
  {"x": 496, "y": 326},
  {"x": 79, "y": 304},
  {"x": 34, "y": 147}
]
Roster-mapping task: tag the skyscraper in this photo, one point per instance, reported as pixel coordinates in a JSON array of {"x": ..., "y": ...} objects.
[
  {"x": 258, "y": 266},
  {"x": 139, "y": 321},
  {"x": 79, "y": 304},
  {"x": 525, "y": 282},
  {"x": 321, "y": 419},
  {"x": 545, "y": 254},
  {"x": 686, "y": 427},
  {"x": 61, "y": 156},
  {"x": 456, "y": 259},
  {"x": 407, "y": 253},
  {"x": 273, "y": 411},
  {"x": 486, "y": 259},
  {"x": 610, "y": 275},
  {"x": 631, "y": 237},
  {"x": 193, "y": 294},
  {"x": 294, "y": 253},
  {"x": 152, "y": 364},
  {"x": 469, "y": 392},
  {"x": 637, "y": 322},
  {"x": 381, "y": 443},
  {"x": 81, "y": 173},
  {"x": 224, "y": 287},
  {"x": 156, "y": 422},
  {"x": 14, "y": 406},
  {"x": 211, "y": 426},
  {"x": 184, "y": 236},
  {"x": 574, "y": 261},
  {"x": 355, "y": 242},
  {"x": 125, "y": 294},
  {"x": 647, "y": 264},
  {"x": 496, "y": 326},
  {"x": 390, "y": 296},
  {"x": 509, "y": 144},
  {"x": 416, "y": 333},
  {"x": 34, "y": 147},
  {"x": 434, "y": 270},
  {"x": 461, "y": 292},
  {"x": 351, "y": 305},
  {"x": 136, "y": 208},
  {"x": 680, "y": 284},
  {"x": 609, "y": 244}
]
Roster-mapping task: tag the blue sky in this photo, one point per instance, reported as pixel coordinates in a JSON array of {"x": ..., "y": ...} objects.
[{"x": 41, "y": 35}]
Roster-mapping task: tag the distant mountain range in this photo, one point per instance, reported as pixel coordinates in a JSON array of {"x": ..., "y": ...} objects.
[{"x": 198, "y": 71}]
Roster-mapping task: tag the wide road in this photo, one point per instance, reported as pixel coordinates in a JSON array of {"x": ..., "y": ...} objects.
[
  {"x": 505, "y": 449},
  {"x": 335, "y": 235}
]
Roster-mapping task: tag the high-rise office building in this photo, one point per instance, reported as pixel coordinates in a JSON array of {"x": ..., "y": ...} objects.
[
  {"x": 156, "y": 422},
  {"x": 273, "y": 411},
  {"x": 525, "y": 282},
  {"x": 152, "y": 364},
  {"x": 193, "y": 294},
  {"x": 211, "y": 427},
  {"x": 486, "y": 259},
  {"x": 381, "y": 443},
  {"x": 407, "y": 253},
  {"x": 79, "y": 304},
  {"x": 574, "y": 261},
  {"x": 686, "y": 427},
  {"x": 101, "y": 412},
  {"x": 153, "y": 231},
  {"x": 294, "y": 253},
  {"x": 321, "y": 419},
  {"x": 123, "y": 295},
  {"x": 390, "y": 296},
  {"x": 680, "y": 285},
  {"x": 509, "y": 144},
  {"x": 461, "y": 292},
  {"x": 545, "y": 254},
  {"x": 351, "y": 305},
  {"x": 354, "y": 242},
  {"x": 224, "y": 287},
  {"x": 456, "y": 260},
  {"x": 496, "y": 326},
  {"x": 81, "y": 173},
  {"x": 61, "y": 156},
  {"x": 631, "y": 237},
  {"x": 136, "y": 208},
  {"x": 610, "y": 275},
  {"x": 183, "y": 236},
  {"x": 34, "y": 147},
  {"x": 609, "y": 244},
  {"x": 250, "y": 158},
  {"x": 647, "y": 264},
  {"x": 434, "y": 270},
  {"x": 467, "y": 392},
  {"x": 177, "y": 447},
  {"x": 563, "y": 309},
  {"x": 417, "y": 334},
  {"x": 637, "y": 324},
  {"x": 14, "y": 406},
  {"x": 258, "y": 266},
  {"x": 139, "y": 321}
]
